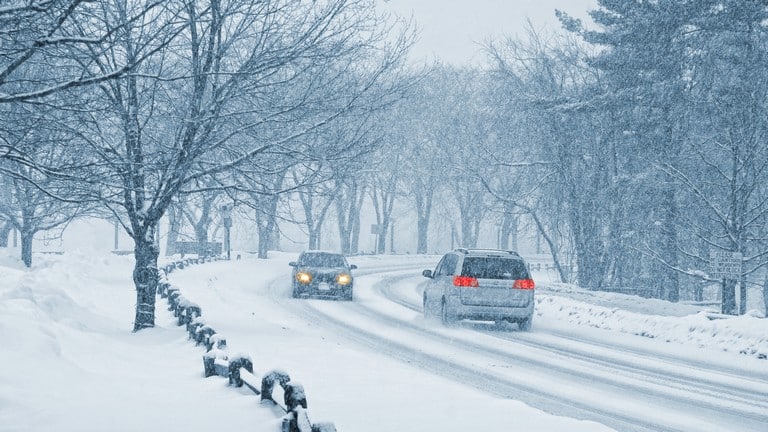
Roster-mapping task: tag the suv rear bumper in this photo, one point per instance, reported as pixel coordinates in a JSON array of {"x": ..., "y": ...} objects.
[{"x": 487, "y": 313}]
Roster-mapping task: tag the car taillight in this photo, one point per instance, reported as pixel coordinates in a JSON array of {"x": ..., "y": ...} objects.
[
  {"x": 526, "y": 284},
  {"x": 465, "y": 281}
]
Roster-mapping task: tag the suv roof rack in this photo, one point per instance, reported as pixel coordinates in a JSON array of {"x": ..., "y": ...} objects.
[{"x": 481, "y": 250}]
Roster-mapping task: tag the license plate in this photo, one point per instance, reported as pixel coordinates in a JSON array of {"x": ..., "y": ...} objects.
[{"x": 324, "y": 286}]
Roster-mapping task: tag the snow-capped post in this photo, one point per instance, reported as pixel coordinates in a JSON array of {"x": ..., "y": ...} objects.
[
  {"x": 188, "y": 311},
  {"x": 162, "y": 287},
  {"x": 294, "y": 396},
  {"x": 235, "y": 363},
  {"x": 194, "y": 327},
  {"x": 215, "y": 363},
  {"x": 203, "y": 335},
  {"x": 174, "y": 295},
  {"x": 269, "y": 380},
  {"x": 239, "y": 369}
]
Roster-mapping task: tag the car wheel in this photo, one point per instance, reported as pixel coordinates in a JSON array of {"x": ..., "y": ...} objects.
[
  {"x": 348, "y": 296},
  {"x": 446, "y": 317},
  {"x": 295, "y": 293},
  {"x": 526, "y": 324},
  {"x": 424, "y": 307}
]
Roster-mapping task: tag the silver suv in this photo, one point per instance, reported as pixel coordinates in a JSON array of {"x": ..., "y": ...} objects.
[{"x": 480, "y": 284}]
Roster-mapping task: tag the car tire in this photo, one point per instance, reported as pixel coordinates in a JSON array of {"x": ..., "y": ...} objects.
[
  {"x": 349, "y": 296},
  {"x": 295, "y": 293},
  {"x": 526, "y": 324}
]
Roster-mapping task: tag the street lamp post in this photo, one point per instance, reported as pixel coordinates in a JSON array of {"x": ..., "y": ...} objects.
[{"x": 226, "y": 218}]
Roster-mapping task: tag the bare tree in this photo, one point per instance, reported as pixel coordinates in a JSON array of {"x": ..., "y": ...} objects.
[
  {"x": 351, "y": 192},
  {"x": 5, "y": 230},
  {"x": 33, "y": 201},
  {"x": 31, "y": 209},
  {"x": 316, "y": 199},
  {"x": 45, "y": 47},
  {"x": 206, "y": 75}
]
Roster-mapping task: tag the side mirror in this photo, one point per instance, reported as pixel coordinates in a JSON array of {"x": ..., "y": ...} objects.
[
  {"x": 427, "y": 274},
  {"x": 293, "y": 264},
  {"x": 352, "y": 266}
]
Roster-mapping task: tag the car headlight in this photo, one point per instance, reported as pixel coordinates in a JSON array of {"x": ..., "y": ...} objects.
[
  {"x": 343, "y": 279},
  {"x": 304, "y": 277}
]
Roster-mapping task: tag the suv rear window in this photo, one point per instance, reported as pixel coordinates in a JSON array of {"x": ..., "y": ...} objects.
[{"x": 494, "y": 268}]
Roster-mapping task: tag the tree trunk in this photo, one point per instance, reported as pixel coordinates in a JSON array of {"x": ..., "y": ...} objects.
[
  {"x": 145, "y": 279},
  {"x": 274, "y": 236},
  {"x": 174, "y": 226},
  {"x": 469, "y": 232},
  {"x": 729, "y": 297},
  {"x": 381, "y": 239},
  {"x": 201, "y": 237},
  {"x": 345, "y": 230},
  {"x": 5, "y": 230},
  {"x": 314, "y": 239},
  {"x": 423, "y": 212},
  {"x": 265, "y": 239},
  {"x": 669, "y": 243},
  {"x": 588, "y": 246},
  {"x": 742, "y": 294},
  {"x": 553, "y": 249},
  {"x": 765, "y": 295},
  {"x": 266, "y": 223},
  {"x": 26, "y": 247},
  {"x": 423, "y": 228},
  {"x": 354, "y": 246}
]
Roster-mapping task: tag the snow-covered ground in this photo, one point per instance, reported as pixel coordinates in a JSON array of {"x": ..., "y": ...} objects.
[{"x": 70, "y": 362}]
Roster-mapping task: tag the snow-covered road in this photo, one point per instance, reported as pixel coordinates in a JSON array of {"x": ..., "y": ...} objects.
[{"x": 376, "y": 364}]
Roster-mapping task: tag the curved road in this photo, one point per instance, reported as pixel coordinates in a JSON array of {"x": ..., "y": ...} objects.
[{"x": 624, "y": 387}]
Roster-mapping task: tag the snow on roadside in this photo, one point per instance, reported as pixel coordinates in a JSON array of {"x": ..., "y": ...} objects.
[
  {"x": 71, "y": 360},
  {"x": 71, "y": 363},
  {"x": 675, "y": 323}
]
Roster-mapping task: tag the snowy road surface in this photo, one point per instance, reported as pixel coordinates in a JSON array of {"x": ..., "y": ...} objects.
[{"x": 376, "y": 364}]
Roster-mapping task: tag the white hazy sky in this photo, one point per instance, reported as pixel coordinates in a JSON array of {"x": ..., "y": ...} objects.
[{"x": 453, "y": 30}]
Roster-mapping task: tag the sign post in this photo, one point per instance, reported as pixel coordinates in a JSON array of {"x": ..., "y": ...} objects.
[{"x": 726, "y": 265}]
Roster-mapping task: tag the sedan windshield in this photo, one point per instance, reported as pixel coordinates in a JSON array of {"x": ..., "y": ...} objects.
[{"x": 322, "y": 260}]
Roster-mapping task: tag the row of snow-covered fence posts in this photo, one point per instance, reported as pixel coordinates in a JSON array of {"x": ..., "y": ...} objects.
[{"x": 238, "y": 369}]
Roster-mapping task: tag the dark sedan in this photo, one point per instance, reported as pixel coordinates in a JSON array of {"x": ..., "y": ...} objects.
[{"x": 322, "y": 274}]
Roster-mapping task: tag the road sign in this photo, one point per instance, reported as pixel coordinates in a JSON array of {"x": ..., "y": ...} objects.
[{"x": 725, "y": 264}]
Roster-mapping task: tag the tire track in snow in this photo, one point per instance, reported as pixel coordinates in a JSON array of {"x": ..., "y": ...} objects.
[
  {"x": 495, "y": 381},
  {"x": 740, "y": 402},
  {"x": 646, "y": 365}
]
